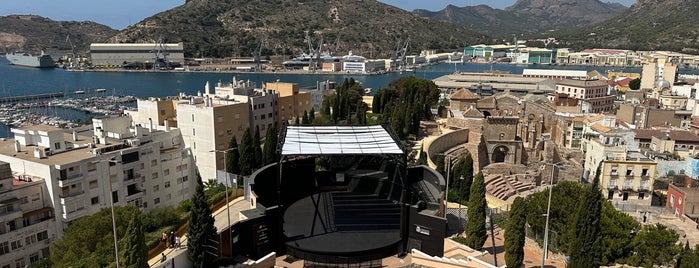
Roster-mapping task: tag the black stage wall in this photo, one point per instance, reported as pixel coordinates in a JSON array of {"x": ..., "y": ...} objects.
[{"x": 426, "y": 233}]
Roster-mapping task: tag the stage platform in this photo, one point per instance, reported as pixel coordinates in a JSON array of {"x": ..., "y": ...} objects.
[{"x": 343, "y": 227}]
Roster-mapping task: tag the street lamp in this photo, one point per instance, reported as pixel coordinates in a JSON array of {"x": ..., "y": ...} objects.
[
  {"x": 111, "y": 204},
  {"x": 548, "y": 212},
  {"x": 228, "y": 206}
]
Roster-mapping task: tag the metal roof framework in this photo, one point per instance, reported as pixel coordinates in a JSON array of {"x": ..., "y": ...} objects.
[{"x": 339, "y": 140}]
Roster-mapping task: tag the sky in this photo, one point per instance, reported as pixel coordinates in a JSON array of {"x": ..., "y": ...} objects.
[{"x": 122, "y": 13}]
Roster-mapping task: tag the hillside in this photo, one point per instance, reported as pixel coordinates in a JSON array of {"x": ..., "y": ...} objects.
[
  {"x": 648, "y": 25},
  {"x": 220, "y": 28},
  {"x": 527, "y": 16},
  {"x": 34, "y": 33}
]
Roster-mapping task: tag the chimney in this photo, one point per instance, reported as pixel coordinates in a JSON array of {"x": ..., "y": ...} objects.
[
  {"x": 150, "y": 125},
  {"x": 75, "y": 135},
  {"x": 167, "y": 125},
  {"x": 207, "y": 88},
  {"x": 17, "y": 148}
]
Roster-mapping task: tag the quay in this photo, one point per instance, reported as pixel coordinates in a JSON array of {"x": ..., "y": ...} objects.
[{"x": 32, "y": 97}]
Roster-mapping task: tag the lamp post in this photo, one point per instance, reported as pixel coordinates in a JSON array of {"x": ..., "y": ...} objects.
[
  {"x": 111, "y": 205},
  {"x": 548, "y": 212},
  {"x": 228, "y": 207}
]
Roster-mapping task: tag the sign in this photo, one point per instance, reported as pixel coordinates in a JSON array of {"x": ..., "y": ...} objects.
[
  {"x": 422, "y": 230},
  {"x": 260, "y": 236}
]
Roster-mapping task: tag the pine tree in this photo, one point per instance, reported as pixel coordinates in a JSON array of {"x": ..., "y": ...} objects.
[
  {"x": 514, "y": 234},
  {"x": 133, "y": 245},
  {"x": 233, "y": 157},
  {"x": 305, "y": 120},
  {"x": 688, "y": 258},
  {"x": 475, "y": 223},
  {"x": 247, "y": 154},
  {"x": 201, "y": 230},
  {"x": 257, "y": 148},
  {"x": 270, "y": 149},
  {"x": 585, "y": 249}
]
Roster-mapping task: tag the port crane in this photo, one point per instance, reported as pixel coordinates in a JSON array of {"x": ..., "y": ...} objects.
[
  {"x": 257, "y": 54},
  {"x": 160, "y": 54},
  {"x": 73, "y": 59}
]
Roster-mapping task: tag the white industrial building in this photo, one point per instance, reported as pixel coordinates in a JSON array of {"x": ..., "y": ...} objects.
[{"x": 107, "y": 54}]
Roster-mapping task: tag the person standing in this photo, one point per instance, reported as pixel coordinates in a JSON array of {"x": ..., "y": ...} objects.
[{"x": 163, "y": 257}]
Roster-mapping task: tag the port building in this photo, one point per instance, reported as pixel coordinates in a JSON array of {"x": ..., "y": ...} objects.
[{"x": 108, "y": 54}]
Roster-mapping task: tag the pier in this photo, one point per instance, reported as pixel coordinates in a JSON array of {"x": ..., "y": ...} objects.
[{"x": 32, "y": 97}]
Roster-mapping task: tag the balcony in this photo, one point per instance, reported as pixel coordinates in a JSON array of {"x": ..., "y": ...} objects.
[
  {"x": 627, "y": 188},
  {"x": 70, "y": 194},
  {"x": 614, "y": 174},
  {"x": 629, "y": 176},
  {"x": 68, "y": 180},
  {"x": 645, "y": 177},
  {"x": 643, "y": 188},
  {"x": 612, "y": 187}
]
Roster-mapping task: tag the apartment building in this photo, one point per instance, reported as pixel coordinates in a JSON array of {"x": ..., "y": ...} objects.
[
  {"x": 291, "y": 103},
  {"x": 27, "y": 222},
  {"x": 136, "y": 166},
  {"x": 657, "y": 70},
  {"x": 593, "y": 92}
]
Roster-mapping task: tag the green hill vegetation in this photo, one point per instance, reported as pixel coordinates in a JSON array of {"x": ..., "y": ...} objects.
[
  {"x": 34, "y": 33},
  {"x": 218, "y": 28}
]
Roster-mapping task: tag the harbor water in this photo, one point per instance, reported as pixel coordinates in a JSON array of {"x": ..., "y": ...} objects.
[{"x": 19, "y": 81}]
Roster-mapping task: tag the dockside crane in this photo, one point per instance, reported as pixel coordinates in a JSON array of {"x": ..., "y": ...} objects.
[
  {"x": 257, "y": 54},
  {"x": 74, "y": 52},
  {"x": 160, "y": 54}
]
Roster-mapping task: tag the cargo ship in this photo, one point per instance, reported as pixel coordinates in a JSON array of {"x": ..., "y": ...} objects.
[{"x": 26, "y": 59}]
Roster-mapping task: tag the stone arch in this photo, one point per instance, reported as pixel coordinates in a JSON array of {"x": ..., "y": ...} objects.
[{"x": 499, "y": 154}]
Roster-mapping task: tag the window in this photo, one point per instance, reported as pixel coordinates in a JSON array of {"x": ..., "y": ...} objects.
[
  {"x": 644, "y": 172},
  {"x": 57, "y": 145},
  {"x": 167, "y": 184},
  {"x": 156, "y": 188},
  {"x": 4, "y": 248},
  {"x": 41, "y": 236},
  {"x": 115, "y": 197},
  {"x": 185, "y": 178},
  {"x": 95, "y": 200},
  {"x": 229, "y": 131},
  {"x": 16, "y": 244},
  {"x": 614, "y": 171},
  {"x": 35, "y": 197},
  {"x": 156, "y": 201},
  {"x": 154, "y": 175},
  {"x": 629, "y": 172},
  {"x": 30, "y": 240},
  {"x": 153, "y": 163},
  {"x": 219, "y": 119},
  {"x": 162, "y": 111},
  {"x": 194, "y": 132},
  {"x": 192, "y": 117},
  {"x": 34, "y": 258},
  {"x": 93, "y": 184},
  {"x": 166, "y": 172}
]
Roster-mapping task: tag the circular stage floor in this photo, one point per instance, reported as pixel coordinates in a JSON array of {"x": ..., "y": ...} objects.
[{"x": 342, "y": 224}]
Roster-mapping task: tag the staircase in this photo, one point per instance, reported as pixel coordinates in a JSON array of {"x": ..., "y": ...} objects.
[{"x": 360, "y": 212}]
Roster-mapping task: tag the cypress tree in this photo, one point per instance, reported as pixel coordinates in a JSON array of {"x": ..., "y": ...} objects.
[
  {"x": 270, "y": 149},
  {"x": 312, "y": 115},
  {"x": 133, "y": 245},
  {"x": 467, "y": 173},
  {"x": 475, "y": 223},
  {"x": 514, "y": 234},
  {"x": 201, "y": 230},
  {"x": 257, "y": 148},
  {"x": 585, "y": 249},
  {"x": 305, "y": 120},
  {"x": 233, "y": 157},
  {"x": 247, "y": 154}
]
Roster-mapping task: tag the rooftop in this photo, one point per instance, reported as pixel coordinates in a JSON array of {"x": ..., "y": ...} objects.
[
  {"x": 676, "y": 135},
  {"x": 583, "y": 83}
]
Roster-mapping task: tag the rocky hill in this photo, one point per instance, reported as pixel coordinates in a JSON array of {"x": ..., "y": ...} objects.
[
  {"x": 223, "y": 28},
  {"x": 648, "y": 25},
  {"x": 527, "y": 16},
  {"x": 33, "y": 33}
]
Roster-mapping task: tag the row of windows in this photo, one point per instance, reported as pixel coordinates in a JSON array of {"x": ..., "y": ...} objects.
[{"x": 7, "y": 247}]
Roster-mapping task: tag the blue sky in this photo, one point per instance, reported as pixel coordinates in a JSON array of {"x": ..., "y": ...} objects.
[{"x": 122, "y": 13}]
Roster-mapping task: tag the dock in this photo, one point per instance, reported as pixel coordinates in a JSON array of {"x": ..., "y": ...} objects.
[{"x": 32, "y": 97}]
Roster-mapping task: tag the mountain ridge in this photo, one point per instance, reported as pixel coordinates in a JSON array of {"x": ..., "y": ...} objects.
[{"x": 235, "y": 28}]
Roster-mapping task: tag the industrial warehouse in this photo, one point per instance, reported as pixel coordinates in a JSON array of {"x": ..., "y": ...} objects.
[{"x": 137, "y": 56}]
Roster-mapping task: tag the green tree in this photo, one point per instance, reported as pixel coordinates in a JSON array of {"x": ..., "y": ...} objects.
[
  {"x": 514, "y": 234},
  {"x": 270, "y": 148},
  {"x": 305, "y": 120},
  {"x": 247, "y": 154},
  {"x": 617, "y": 229},
  {"x": 688, "y": 258},
  {"x": 635, "y": 84},
  {"x": 312, "y": 116},
  {"x": 133, "y": 246},
  {"x": 201, "y": 230},
  {"x": 233, "y": 157},
  {"x": 585, "y": 245},
  {"x": 257, "y": 148},
  {"x": 88, "y": 241},
  {"x": 440, "y": 165},
  {"x": 465, "y": 170},
  {"x": 655, "y": 245},
  {"x": 475, "y": 224}
]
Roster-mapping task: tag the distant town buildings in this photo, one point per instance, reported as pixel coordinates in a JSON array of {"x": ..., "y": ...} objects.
[{"x": 138, "y": 56}]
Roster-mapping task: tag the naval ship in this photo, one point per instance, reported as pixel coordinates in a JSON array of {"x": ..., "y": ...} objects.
[{"x": 26, "y": 59}]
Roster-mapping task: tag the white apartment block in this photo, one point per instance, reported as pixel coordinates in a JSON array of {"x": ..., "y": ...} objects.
[
  {"x": 27, "y": 222},
  {"x": 593, "y": 92},
  {"x": 657, "y": 71},
  {"x": 136, "y": 166}
]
